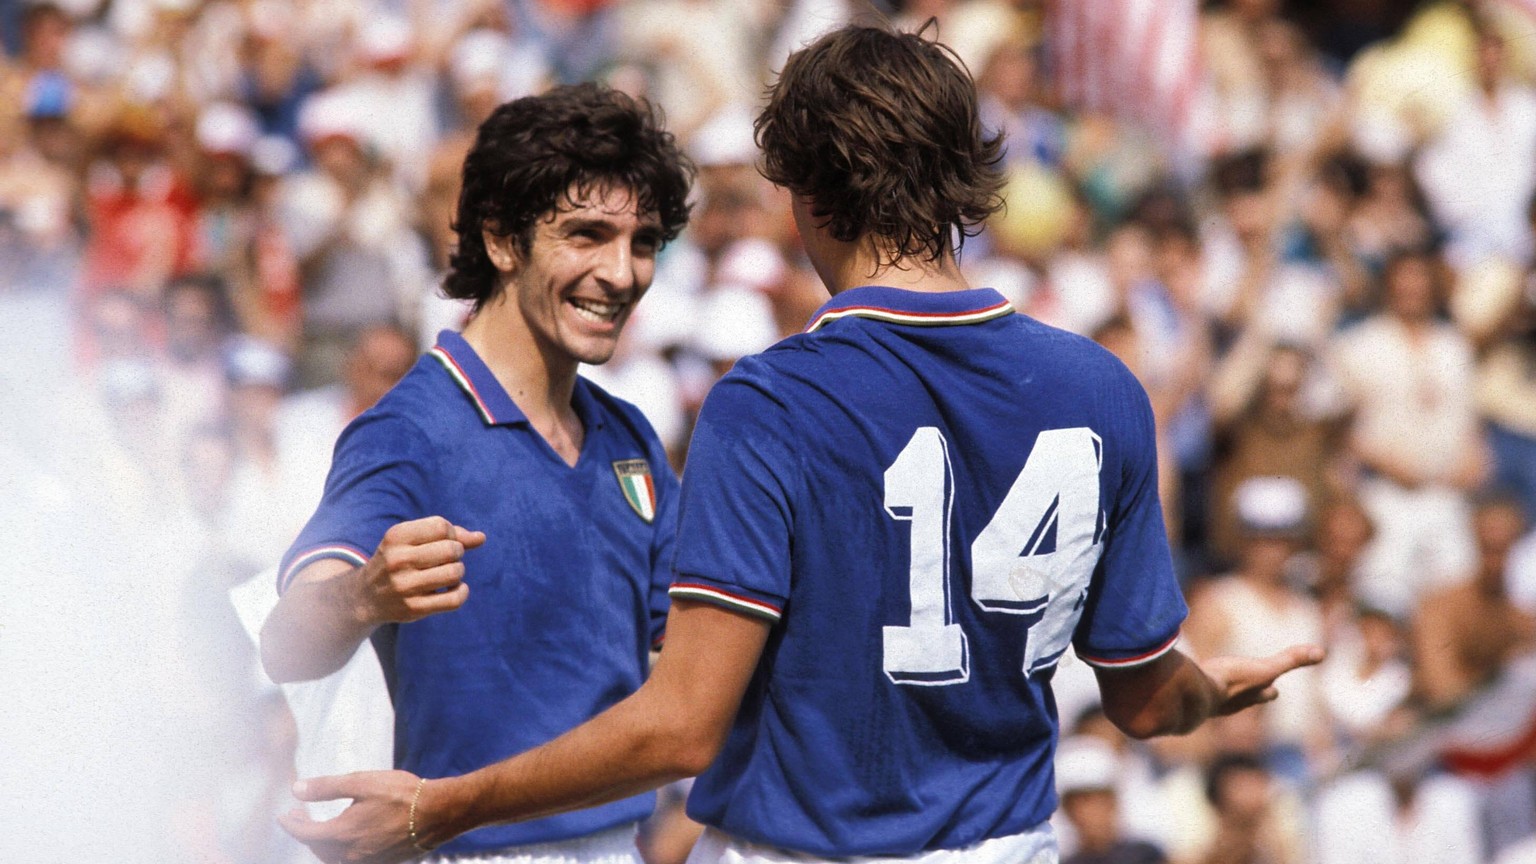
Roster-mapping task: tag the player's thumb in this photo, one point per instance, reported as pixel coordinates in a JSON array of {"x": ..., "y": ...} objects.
[
  {"x": 325, "y": 788},
  {"x": 469, "y": 538}
]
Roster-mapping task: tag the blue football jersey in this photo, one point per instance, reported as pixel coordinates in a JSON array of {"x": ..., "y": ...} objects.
[
  {"x": 567, "y": 595},
  {"x": 931, "y": 497}
]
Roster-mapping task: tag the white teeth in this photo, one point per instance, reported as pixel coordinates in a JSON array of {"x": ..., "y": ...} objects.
[{"x": 597, "y": 311}]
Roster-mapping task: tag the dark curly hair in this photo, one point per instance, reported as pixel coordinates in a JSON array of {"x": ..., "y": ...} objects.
[
  {"x": 536, "y": 154},
  {"x": 881, "y": 132}
]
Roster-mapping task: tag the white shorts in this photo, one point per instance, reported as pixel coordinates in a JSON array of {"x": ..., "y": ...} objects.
[
  {"x": 614, "y": 846},
  {"x": 1036, "y": 846}
]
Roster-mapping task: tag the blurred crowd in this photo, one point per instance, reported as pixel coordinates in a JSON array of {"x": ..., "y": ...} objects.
[{"x": 1327, "y": 284}]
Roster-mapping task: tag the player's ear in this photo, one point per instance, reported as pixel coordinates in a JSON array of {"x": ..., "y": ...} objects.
[{"x": 504, "y": 250}]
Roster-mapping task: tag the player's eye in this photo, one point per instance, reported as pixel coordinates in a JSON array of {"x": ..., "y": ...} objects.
[{"x": 647, "y": 244}]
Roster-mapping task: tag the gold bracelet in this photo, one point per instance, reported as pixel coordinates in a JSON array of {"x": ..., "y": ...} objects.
[{"x": 411, "y": 826}]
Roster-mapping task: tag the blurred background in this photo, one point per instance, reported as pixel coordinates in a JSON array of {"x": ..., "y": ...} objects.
[{"x": 1307, "y": 226}]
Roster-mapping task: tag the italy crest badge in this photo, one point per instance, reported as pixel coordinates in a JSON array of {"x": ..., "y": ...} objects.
[{"x": 639, "y": 489}]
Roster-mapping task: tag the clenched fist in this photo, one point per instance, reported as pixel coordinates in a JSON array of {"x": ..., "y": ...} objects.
[{"x": 418, "y": 570}]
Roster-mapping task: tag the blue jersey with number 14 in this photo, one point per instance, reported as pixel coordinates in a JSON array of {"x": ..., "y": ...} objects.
[{"x": 930, "y": 497}]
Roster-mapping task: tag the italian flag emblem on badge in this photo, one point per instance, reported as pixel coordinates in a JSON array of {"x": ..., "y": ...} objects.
[{"x": 639, "y": 490}]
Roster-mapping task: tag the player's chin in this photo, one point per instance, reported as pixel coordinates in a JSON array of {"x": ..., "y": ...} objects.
[{"x": 595, "y": 351}]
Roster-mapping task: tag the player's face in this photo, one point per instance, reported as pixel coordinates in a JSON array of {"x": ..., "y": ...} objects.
[{"x": 586, "y": 268}]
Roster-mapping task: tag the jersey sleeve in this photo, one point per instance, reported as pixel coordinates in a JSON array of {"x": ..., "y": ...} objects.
[
  {"x": 379, "y": 477},
  {"x": 734, "y": 519},
  {"x": 1134, "y": 607}
]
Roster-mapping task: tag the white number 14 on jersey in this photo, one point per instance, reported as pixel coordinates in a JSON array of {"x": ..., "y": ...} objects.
[{"x": 1014, "y": 568}]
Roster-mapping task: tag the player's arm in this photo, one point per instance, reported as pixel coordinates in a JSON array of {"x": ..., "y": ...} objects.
[
  {"x": 1172, "y": 695},
  {"x": 671, "y": 728},
  {"x": 331, "y": 606}
]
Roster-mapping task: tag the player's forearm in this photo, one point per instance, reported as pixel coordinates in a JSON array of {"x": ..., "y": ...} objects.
[
  {"x": 634, "y": 747},
  {"x": 1171, "y": 695},
  {"x": 314, "y": 629},
  {"x": 672, "y": 727}
]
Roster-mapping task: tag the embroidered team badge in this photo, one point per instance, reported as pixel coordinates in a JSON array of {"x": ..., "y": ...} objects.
[{"x": 639, "y": 489}]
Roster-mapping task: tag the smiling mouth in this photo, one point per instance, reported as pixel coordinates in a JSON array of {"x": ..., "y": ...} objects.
[{"x": 597, "y": 311}]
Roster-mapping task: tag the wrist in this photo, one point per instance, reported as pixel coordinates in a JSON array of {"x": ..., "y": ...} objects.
[
  {"x": 443, "y": 811},
  {"x": 362, "y": 610}
]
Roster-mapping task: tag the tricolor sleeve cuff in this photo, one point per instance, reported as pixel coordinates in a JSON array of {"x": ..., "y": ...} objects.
[
  {"x": 1108, "y": 660},
  {"x": 342, "y": 551},
  {"x": 732, "y": 598}
]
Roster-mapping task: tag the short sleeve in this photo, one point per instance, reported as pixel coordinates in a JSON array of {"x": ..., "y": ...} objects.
[
  {"x": 1135, "y": 606},
  {"x": 379, "y": 477},
  {"x": 734, "y": 519}
]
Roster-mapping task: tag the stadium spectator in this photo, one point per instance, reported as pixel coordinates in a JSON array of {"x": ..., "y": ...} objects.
[
  {"x": 349, "y": 226},
  {"x": 1263, "y": 429},
  {"x": 1389, "y": 215},
  {"x": 1344, "y": 531},
  {"x": 1086, "y": 778},
  {"x": 1398, "y": 818},
  {"x": 1495, "y": 306},
  {"x": 309, "y": 422},
  {"x": 1366, "y": 679},
  {"x": 1256, "y": 610},
  {"x": 197, "y": 321},
  {"x": 1238, "y": 787},
  {"x": 1010, "y": 104},
  {"x": 1473, "y": 176},
  {"x": 1409, "y": 378},
  {"x": 1475, "y": 662},
  {"x": 140, "y": 209},
  {"x": 1466, "y": 634},
  {"x": 275, "y": 75}
]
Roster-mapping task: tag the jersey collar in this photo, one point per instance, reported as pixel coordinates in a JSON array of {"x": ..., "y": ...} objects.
[
  {"x": 490, "y": 399},
  {"x": 917, "y": 308},
  {"x": 467, "y": 370}
]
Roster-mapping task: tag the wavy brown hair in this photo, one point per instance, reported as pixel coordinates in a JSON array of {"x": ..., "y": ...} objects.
[
  {"x": 881, "y": 132},
  {"x": 539, "y": 153}
]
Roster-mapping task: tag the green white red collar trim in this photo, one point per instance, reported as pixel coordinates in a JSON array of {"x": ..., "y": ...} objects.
[{"x": 913, "y": 308}]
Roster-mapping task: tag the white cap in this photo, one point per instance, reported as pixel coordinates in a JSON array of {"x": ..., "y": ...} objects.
[
  {"x": 224, "y": 127},
  {"x": 753, "y": 262},
  {"x": 149, "y": 78},
  {"x": 477, "y": 58},
  {"x": 734, "y": 321},
  {"x": 1085, "y": 763},
  {"x": 384, "y": 38},
  {"x": 252, "y": 361},
  {"x": 1271, "y": 505},
  {"x": 331, "y": 114},
  {"x": 273, "y": 155},
  {"x": 725, "y": 138}
]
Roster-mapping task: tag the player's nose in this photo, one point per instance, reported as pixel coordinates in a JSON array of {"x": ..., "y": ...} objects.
[{"x": 615, "y": 268}]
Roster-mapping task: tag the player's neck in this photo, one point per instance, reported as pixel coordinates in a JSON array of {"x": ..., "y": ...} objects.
[
  {"x": 861, "y": 264},
  {"x": 540, "y": 384},
  {"x": 868, "y": 260}
]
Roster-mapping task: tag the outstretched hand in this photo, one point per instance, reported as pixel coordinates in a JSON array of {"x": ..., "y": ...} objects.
[
  {"x": 1248, "y": 681},
  {"x": 376, "y": 827}
]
